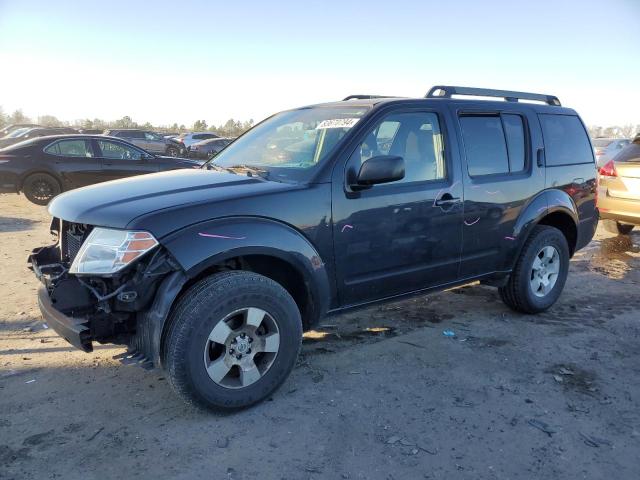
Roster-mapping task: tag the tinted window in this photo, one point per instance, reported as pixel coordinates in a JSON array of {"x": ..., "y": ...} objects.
[
  {"x": 514, "y": 129},
  {"x": 565, "y": 140},
  {"x": 631, "y": 153},
  {"x": 70, "y": 148},
  {"x": 131, "y": 134},
  {"x": 415, "y": 137},
  {"x": 118, "y": 151},
  {"x": 152, "y": 136},
  {"x": 485, "y": 145},
  {"x": 202, "y": 136}
]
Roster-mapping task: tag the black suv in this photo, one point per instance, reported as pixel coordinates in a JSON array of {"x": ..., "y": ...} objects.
[
  {"x": 214, "y": 273},
  {"x": 150, "y": 141}
]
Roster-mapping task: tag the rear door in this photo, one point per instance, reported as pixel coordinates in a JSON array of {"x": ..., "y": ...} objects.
[
  {"x": 75, "y": 161},
  {"x": 120, "y": 160},
  {"x": 500, "y": 177},
  {"x": 135, "y": 137},
  {"x": 154, "y": 142}
]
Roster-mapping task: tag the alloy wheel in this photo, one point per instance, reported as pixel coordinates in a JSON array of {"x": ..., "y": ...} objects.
[
  {"x": 544, "y": 271},
  {"x": 241, "y": 348}
]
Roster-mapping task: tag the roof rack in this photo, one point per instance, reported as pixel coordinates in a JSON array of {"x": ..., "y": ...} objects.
[
  {"x": 363, "y": 97},
  {"x": 446, "y": 91}
]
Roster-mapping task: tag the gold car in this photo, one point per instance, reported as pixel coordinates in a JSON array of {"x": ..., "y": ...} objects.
[{"x": 619, "y": 190}]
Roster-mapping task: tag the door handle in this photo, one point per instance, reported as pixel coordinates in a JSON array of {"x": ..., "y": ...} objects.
[
  {"x": 447, "y": 199},
  {"x": 540, "y": 157}
]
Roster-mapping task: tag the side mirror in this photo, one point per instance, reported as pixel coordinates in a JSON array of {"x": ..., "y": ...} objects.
[
  {"x": 147, "y": 156},
  {"x": 380, "y": 169}
]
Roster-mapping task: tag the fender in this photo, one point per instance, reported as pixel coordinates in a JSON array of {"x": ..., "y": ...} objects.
[
  {"x": 205, "y": 244},
  {"x": 543, "y": 204}
]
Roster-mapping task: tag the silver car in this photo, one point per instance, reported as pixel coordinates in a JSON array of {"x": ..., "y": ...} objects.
[
  {"x": 150, "y": 141},
  {"x": 607, "y": 148},
  {"x": 188, "y": 139}
]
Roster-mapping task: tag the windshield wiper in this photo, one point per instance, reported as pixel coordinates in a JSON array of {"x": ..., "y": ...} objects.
[
  {"x": 242, "y": 169},
  {"x": 218, "y": 168},
  {"x": 249, "y": 171}
]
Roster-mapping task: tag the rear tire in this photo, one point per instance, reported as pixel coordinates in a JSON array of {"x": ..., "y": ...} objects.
[
  {"x": 40, "y": 188},
  {"x": 617, "y": 227},
  {"x": 533, "y": 286},
  {"x": 223, "y": 316}
]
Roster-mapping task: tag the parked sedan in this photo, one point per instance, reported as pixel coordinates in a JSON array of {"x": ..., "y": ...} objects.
[
  {"x": 44, "y": 167},
  {"x": 619, "y": 190},
  {"x": 188, "y": 139},
  {"x": 207, "y": 149},
  {"x": 27, "y": 133}
]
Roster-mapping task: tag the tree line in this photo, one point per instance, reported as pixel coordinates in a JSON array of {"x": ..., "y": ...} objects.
[{"x": 231, "y": 128}]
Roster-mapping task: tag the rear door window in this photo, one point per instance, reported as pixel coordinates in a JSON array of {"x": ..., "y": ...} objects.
[
  {"x": 131, "y": 134},
  {"x": 494, "y": 144},
  {"x": 203, "y": 136},
  {"x": 70, "y": 148},
  {"x": 565, "y": 140}
]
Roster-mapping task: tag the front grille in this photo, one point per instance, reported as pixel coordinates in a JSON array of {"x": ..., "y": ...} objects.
[
  {"x": 72, "y": 236},
  {"x": 74, "y": 242}
]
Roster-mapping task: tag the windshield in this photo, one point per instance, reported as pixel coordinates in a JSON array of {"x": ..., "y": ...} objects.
[{"x": 290, "y": 144}]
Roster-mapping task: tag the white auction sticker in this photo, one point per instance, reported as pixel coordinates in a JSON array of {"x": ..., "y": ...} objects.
[{"x": 337, "y": 123}]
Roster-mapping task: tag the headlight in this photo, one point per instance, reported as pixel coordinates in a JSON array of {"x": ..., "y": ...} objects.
[{"x": 107, "y": 251}]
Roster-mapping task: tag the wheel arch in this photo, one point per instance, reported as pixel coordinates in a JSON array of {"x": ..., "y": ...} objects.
[
  {"x": 551, "y": 207},
  {"x": 23, "y": 177},
  {"x": 263, "y": 246}
]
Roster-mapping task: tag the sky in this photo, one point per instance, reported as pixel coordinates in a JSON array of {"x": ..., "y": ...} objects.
[{"x": 168, "y": 61}]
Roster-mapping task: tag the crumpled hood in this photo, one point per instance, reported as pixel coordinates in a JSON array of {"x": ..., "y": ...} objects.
[{"x": 117, "y": 203}]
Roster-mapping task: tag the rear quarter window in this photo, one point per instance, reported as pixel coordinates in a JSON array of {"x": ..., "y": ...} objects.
[{"x": 565, "y": 140}]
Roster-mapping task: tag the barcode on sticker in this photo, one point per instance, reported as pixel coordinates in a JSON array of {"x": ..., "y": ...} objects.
[{"x": 337, "y": 123}]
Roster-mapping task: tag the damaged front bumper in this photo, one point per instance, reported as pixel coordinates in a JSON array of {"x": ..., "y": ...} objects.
[
  {"x": 125, "y": 309},
  {"x": 74, "y": 330}
]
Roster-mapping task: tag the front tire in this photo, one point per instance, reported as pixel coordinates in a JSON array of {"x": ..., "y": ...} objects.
[
  {"x": 173, "y": 151},
  {"x": 233, "y": 339},
  {"x": 40, "y": 188},
  {"x": 617, "y": 227},
  {"x": 540, "y": 272}
]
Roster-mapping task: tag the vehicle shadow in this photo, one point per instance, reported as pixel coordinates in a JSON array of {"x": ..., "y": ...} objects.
[{"x": 15, "y": 224}]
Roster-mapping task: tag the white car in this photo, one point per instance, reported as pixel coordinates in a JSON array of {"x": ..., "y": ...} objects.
[{"x": 188, "y": 139}]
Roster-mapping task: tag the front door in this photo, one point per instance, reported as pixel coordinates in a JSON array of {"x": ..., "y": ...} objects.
[
  {"x": 120, "y": 160},
  {"x": 406, "y": 235}
]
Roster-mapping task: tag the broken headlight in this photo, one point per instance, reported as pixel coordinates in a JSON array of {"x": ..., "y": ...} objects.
[{"x": 107, "y": 251}]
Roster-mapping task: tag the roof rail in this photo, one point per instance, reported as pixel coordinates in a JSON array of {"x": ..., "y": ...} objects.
[
  {"x": 363, "y": 97},
  {"x": 446, "y": 91}
]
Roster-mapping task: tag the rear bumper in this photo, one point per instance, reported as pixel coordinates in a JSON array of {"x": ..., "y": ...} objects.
[
  {"x": 623, "y": 217},
  {"x": 73, "y": 330}
]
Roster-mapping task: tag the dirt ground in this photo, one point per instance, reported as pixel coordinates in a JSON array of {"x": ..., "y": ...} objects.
[{"x": 377, "y": 394}]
